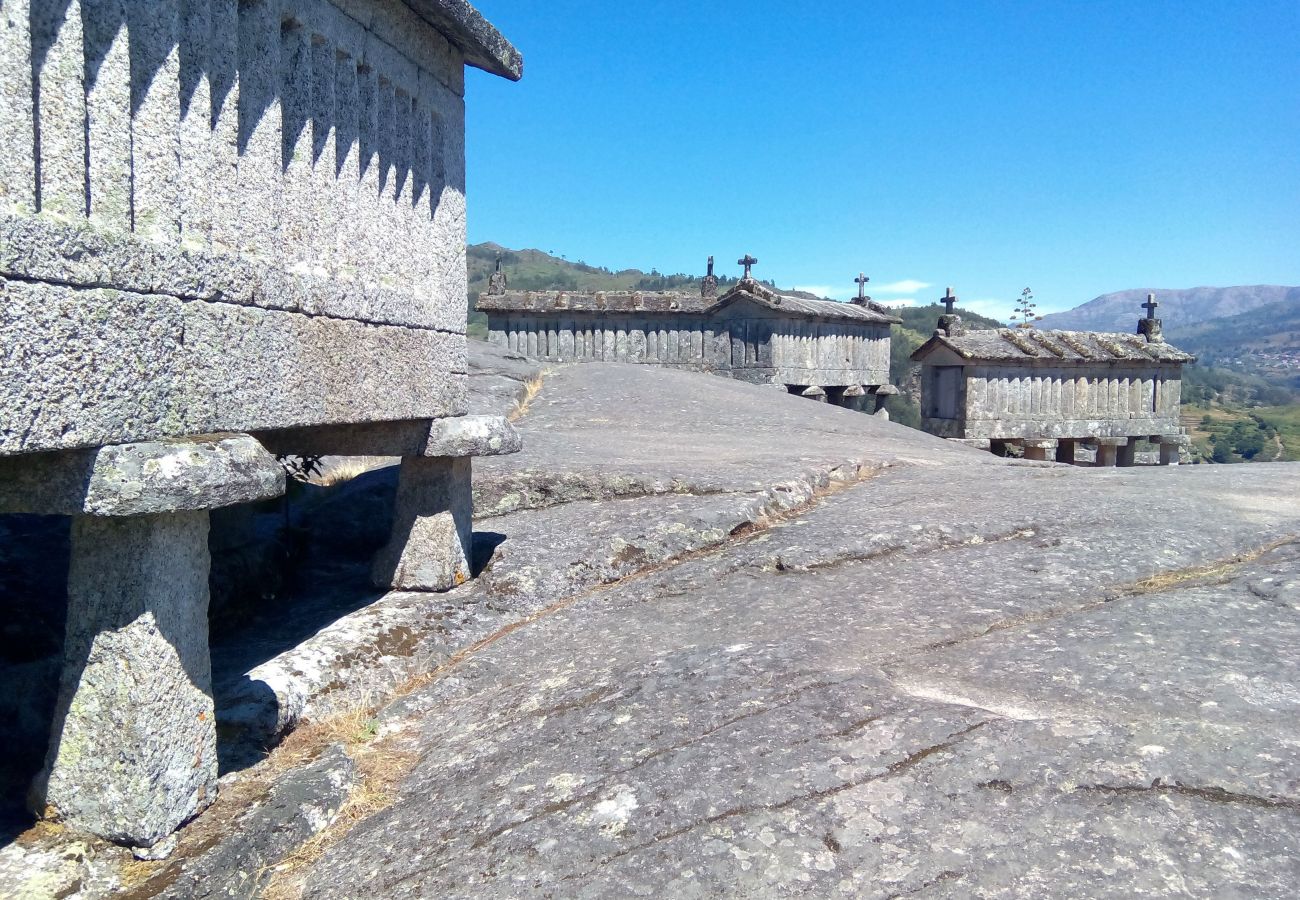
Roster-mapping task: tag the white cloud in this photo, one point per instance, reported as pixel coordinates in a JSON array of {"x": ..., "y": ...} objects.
[
  {"x": 991, "y": 307},
  {"x": 906, "y": 286},
  {"x": 899, "y": 301},
  {"x": 824, "y": 290}
]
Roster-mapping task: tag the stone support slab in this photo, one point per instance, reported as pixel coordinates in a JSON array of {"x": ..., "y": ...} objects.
[
  {"x": 1126, "y": 453},
  {"x": 456, "y": 436},
  {"x": 1170, "y": 448},
  {"x": 140, "y": 479},
  {"x": 133, "y": 752},
  {"x": 429, "y": 549},
  {"x": 1040, "y": 450},
  {"x": 1108, "y": 451}
]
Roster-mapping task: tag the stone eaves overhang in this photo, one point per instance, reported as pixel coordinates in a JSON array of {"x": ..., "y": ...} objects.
[
  {"x": 484, "y": 47},
  {"x": 1033, "y": 345},
  {"x": 676, "y": 302}
]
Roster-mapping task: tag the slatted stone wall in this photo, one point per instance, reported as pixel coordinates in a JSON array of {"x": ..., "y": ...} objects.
[
  {"x": 779, "y": 350},
  {"x": 226, "y": 215},
  {"x": 1086, "y": 401}
]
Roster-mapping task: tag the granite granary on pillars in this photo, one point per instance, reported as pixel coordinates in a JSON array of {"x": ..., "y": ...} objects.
[
  {"x": 228, "y": 229},
  {"x": 1050, "y": 391},
  {"x": 828, "y": 351}
]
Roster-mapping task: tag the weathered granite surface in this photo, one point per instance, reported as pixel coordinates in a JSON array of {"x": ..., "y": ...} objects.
[
  {"x": 955, "y": 676},
  {"x": 300, "y": 805},
  {"x": 882, "y": 697}
]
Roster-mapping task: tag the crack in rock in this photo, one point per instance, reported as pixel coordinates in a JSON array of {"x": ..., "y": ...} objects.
[
  {"x": 901, "y": 767},
  {"x": 1212, "y": 793}
]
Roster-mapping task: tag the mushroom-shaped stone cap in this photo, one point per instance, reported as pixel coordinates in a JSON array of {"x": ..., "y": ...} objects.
[
  {"x": 886, "y": 390},
  {"x": 142, "y": 478},
  {"x": 473, "y": 436}
]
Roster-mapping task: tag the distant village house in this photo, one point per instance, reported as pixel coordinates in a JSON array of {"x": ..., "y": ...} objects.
[
  {"x": 1051, "y": 391},
  {"x": 821, "y": 349}
]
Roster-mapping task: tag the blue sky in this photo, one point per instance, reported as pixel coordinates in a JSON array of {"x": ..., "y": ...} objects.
[{"x": 1076, "y": 148}]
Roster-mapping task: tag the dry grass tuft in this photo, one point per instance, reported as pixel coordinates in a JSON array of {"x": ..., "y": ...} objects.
[
  {"x": 347, "y": 470},
  {"x": 532, "y": 387},
  {"x": 381, "y": 764},
  {"x": 1211, "y": 574}
]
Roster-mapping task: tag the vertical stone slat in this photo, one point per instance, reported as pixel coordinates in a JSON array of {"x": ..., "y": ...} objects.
[
  {"x": 259, "y": 142},
  {"x": 381, "y": 245},
  {"x": 296, "y": 226},
  {"x": 59, "y": 108},
  {"x": 155, "y": 120},
  {"x": 327, "y": 196},
  {"x": 18, "y": 137},
  {"x": 423, "y": 129},
  {"x": 219, "y": 196},
  {"x": 194, "y": 131},
  {"x": 407, "y": 261},
  {"x": 347, "y": 165},
  {"x": 367, "y": 220},
  {"x": 108, "y": 114}
]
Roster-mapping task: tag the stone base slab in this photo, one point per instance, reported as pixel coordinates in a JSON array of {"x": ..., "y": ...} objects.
[
  {"x": 87, "y": 367},
  {"x": 454, "y": 436}
]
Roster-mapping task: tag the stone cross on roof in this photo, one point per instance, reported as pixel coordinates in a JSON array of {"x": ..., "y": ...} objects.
[
  {"x": 709, "y": 283},
  {"x": 862, "y": 280},
  {"x": 1150, "y": 306},
  {"x": 497, "y": 279},
  {"x": 949, "y": 300},
  {"x": 747, "y": 261}
]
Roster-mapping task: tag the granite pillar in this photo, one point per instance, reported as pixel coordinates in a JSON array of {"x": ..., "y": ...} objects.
[
  {"x": 1170, "y": 448},
  {"x": 132, "y": 753},
  {"x": 134, "y": 749},
  {"x": 429, "y": 549}
]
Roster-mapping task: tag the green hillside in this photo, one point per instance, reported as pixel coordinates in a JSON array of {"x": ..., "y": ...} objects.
[
  {"x": 536, "y": 270},
  {"x": 1263, "y": 342}
]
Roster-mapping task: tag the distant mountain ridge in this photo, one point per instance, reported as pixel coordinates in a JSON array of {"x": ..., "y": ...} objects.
[{"x": 1179, "y": 309}]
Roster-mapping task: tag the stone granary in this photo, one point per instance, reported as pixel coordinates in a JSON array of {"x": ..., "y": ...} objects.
[
  {"x": 228, "y": 229},
  {"x": 1049, "y": 391},
  {"x": 828, "y": 351}
]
